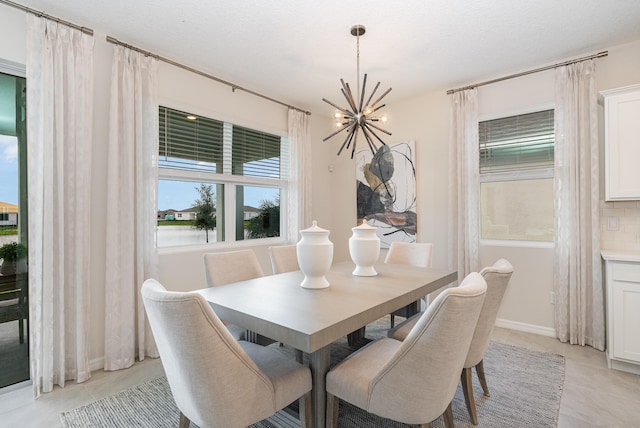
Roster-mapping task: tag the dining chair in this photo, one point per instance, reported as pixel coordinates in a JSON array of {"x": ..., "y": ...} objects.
[
  {"x": 284, "y": 258},
  {"x": 233, "y": 266},
  {"x": 216, "y": 381},
  {"x": 408, "y": 253},
  {"x": 13, "y": 301},
  {"x": 412, "y": 381},
  {"x": 497, "y": 277}
]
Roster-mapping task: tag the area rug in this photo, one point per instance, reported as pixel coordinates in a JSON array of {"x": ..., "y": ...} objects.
[{"x": 525, "y": 387}]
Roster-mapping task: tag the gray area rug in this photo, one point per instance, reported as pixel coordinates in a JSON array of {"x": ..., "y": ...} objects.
[{"x": 525, "y": 387}]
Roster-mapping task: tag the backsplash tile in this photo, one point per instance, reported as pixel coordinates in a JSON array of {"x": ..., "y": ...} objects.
[{"x": 627, "y": 235}]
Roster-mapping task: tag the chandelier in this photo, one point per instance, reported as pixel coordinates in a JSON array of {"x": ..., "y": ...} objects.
[{"x": 358, "y": 116}]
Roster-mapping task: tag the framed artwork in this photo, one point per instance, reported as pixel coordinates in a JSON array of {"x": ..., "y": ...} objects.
[{"x": 386, "y": 191}]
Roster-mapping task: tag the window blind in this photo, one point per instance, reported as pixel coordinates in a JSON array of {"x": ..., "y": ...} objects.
[
  {"x": 204, "y": 144},
  {"x": 517, "y": 142},
  {"x": 255, "y": 153},
  {"x": 192, "y": 144}
]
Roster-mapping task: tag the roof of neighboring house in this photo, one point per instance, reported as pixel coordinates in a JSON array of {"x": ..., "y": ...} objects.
[
  {"x": 249, "y": 208},
  {"x": 6, "y": 207}
]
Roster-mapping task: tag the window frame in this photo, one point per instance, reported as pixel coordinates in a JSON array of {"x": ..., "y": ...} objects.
[
  {"x": 515, "y": 175},
  {"x": 230, "y": 181}
]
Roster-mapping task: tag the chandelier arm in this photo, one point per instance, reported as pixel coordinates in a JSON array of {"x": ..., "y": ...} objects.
[
  {"x": 381, "y": 97},
  {"x": 355, "y": 141},
  {"x": 347, "y": 112},
  {"x": 347, "y": 141},
  {"x": 364, "y": 86},
  {"x": 376, "y": 135},
  {"x": 346, "y": 90},
  {"x": 378, "y": 138},
  {"x": 372, "y": 93},
  {"x": 370, "y": 142},
  {"x": 377, "y": 108},
  {"x": 378, "y": 128},
  {"x": 335, "y": 133}
]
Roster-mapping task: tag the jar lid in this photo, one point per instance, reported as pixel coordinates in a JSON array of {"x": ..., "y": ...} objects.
[
  {"x": 314, "y": 228},
  {"x": 364, "y": 226}
]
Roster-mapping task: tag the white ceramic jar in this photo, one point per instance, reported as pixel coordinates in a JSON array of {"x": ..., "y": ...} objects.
[
  {"x": 364, "y": 247},
  {"x": 315, "y": 255}
]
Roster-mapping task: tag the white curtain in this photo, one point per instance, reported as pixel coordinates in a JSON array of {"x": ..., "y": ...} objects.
[
  {"x": 299, "y": 200},
  {"x": 579, "y": 317},
  {"x": 132, "y": 203},
  {"x": 464, "y": 194},
  {"x": 59, "y": 129}
]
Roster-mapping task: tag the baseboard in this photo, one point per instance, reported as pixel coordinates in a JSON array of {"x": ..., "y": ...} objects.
[
  {"x": 96, "y": 364},
  {"x": 527, "y": 328}
]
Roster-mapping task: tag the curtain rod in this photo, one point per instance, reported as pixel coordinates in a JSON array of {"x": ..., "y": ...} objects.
[
  {"x": 40, "y": 14},
  {"x": 234, "y": 87},
  {"x": 524, "y": 73}
]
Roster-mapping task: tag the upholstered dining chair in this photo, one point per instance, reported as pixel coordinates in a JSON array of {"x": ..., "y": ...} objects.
[
  {"x": 408, "y": 253},
  {"x": 412, "y": 381},
  {"x": 233, "y": 266},
  {"x": 216, "y": 381},
  {"x": 284, "y": 258},
  {"x": 497, "y": 278}
]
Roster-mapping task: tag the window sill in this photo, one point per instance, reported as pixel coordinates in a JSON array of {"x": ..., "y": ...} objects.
[{"x": 519, "y": 244}]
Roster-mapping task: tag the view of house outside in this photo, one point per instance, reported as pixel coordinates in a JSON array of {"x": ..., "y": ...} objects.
[{"x": 178, "y": 212}]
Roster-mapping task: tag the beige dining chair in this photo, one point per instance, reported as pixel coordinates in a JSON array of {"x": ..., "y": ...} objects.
[
  {"x": 497, "y": 278},
  {"x": 408, "y": 253},
  {"x": 284, "y": 258},
  {"x": 216, "y": 381},
  {"x": 412, "y": 381},
  {"x": 233, "y": 266}
]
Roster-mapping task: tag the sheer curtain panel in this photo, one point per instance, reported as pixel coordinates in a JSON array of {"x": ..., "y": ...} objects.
[
  {"x": 59, "y": 127},
  {"x": 299, "y": 201},
  {"x": 464, "y": 193},
  {"x": 132, "y": 169},
  {"x": 579, "y": 308}
]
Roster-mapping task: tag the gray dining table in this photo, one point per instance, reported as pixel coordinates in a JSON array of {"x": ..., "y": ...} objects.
[{"x": 309, "y": 320}]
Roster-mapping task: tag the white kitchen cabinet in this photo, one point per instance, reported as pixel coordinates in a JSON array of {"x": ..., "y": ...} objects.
[
  {"x": 622, "y": 277},
  {"x": 622, "y": 143}
]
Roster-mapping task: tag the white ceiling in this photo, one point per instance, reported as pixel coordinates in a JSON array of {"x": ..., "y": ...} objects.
[{"x": 297, "y": 50}]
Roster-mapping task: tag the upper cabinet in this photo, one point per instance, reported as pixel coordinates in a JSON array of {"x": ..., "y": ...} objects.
[{"x": 622, "y": 143}]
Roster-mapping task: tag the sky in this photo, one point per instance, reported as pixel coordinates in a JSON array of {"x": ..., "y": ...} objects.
[{"x": 9, "y": 169}]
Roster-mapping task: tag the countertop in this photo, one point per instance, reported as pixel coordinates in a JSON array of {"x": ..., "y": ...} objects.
[{"x": 621, "y": 255}]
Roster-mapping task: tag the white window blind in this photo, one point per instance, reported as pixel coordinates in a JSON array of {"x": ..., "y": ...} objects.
[{"x": 517, "y": 142}]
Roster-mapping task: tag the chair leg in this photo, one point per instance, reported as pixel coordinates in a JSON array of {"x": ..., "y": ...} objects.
[
  {"x": 305, "y": 410},
  {"x": 333, "y": 403},
  {"x": 393, "y": 321},
  {"x": 483, "y": 380},
  {"x": 184, "y": 421},
  {"x": 467, "y": 389},
  {"x": 448, "y": 417},
  {"x": 21, "y": 332}
]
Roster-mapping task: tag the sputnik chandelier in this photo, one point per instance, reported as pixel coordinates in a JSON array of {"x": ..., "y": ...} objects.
[{"x": 358, "y": 117}]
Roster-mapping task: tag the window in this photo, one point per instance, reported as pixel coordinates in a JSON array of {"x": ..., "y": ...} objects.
[
  {"x": 222, "y": 181},
  {"x": 516, "y": 177}
]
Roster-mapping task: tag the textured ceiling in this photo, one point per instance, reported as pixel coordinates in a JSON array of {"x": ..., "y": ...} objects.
[{"x": 297, "y": 50}]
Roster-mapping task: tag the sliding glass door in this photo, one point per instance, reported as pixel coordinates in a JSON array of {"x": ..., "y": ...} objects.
[{"x": 14, "y": 337}]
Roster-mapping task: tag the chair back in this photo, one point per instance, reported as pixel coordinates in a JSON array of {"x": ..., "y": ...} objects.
[
  {"x": 410, "y": 253},
  {"x": 231, "y": 266},
  {"x": 497, "y": 277},
  {"x": 212, "y": 379},
  {"x": 428, "y": 363},
  {"x": 284, "y": 258}
]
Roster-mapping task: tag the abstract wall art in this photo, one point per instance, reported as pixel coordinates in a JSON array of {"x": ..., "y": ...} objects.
[{"x": 386, "y": 191}]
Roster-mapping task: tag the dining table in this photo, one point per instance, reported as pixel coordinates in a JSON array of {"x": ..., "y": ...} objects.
[{"x": 310, "y": 320}]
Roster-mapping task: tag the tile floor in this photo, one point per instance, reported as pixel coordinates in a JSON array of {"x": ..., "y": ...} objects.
[{"x": 593, "y": 395}]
